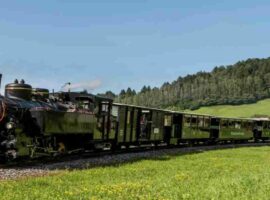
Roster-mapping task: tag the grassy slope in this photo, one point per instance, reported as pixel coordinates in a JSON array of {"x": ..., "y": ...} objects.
[
  {"x": 248, "y": 110},
  {"x": 224, "y": 174}
]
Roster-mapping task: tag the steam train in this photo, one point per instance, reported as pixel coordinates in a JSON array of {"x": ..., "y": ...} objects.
[{"x": 35, "y": 123}]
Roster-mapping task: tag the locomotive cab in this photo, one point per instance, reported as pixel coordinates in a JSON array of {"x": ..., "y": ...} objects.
[{"x": 85, "y": 103}]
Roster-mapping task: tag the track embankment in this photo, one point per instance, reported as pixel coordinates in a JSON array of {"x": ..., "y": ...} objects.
[{"x": 109, "y": 159}]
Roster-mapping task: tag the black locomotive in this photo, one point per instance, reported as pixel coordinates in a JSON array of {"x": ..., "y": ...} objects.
[{"x": 34, "y": 123}]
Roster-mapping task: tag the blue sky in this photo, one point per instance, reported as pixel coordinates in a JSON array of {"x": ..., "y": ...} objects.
[{"x": 121, "y": 43}]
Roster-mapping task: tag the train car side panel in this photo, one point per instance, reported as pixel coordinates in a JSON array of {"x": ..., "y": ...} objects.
[
  {"x": 129, "y": 116},
  {"x": 157, "y": 126},
  {"x": 122, "y": 124},
  {"x": 235, "y": 129},
  {"x": 266, "y": 130},
  {"x": 68, "y": 123},
  {"x": 194, "y": 127},
  {"x": 135, "y": 124}
]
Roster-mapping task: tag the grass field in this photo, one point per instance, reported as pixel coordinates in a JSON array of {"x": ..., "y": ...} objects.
[
  {"x": 248, "y": 110},
  {"x": 222, "y": 174}
]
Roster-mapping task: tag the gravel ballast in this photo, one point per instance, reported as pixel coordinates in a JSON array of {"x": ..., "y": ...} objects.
[{"x": 37, "y": 170}]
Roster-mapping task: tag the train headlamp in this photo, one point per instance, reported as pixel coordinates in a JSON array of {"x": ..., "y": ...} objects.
[{"x": 10, "y": 125}]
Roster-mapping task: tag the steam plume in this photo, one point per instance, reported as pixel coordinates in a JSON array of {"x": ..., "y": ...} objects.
[{"x": 88, "y": 85}]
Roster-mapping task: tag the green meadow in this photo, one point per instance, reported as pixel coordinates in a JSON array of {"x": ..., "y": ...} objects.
[
  {"x": 242, "y": 173},
  {"x": 261, "y": 108}
]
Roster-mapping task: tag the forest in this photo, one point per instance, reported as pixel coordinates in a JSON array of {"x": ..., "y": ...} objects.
[{"x": 242, "y": 83}]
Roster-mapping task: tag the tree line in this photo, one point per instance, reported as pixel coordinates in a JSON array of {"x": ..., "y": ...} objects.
[{"x": 244, "y": 82}]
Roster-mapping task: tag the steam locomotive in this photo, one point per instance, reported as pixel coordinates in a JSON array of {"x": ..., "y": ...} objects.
[{"x": 35, "y": 123}]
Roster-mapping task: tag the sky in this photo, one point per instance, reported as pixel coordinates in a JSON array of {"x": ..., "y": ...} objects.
[{"x": 114, "y": 44}]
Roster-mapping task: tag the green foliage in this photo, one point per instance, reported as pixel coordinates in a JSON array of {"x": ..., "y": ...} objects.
[
  {"x": 130, "y": 92},
  {"x": 108, "y": 94},
  {"x": 145, "y": 89},
  {"x": 242, "y": 83},
  {"x": 122, "y": 94},
  {"x": 223, "y": 174}
]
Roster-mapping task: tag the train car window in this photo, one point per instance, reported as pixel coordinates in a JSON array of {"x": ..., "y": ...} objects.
[
  {"x": 143, "y": 126},
  {"x": 115, "y": 111},
  {"x": 207, "y": 122},
  {"x": 215, "y": 122},
  {"x": 92, "y": 107},
  {"x": 224, "y": 123},
  {"x": 245, "y": 124},
  {"x": 148, "y": 114},
  {"x": 237, "y": 125},
  {"x": 167, "y": 120},
  {"x": 249, "y": 125},
  {"x": 80, "y": 105},
  {"x": 231, "y": 124},
  {"x": 113, "y": 124},
  {"x": 85, "y": 105},
  {"x": 259, "y": 123},
  {"x": 265, "y": 125},
  {"x": 187, "y": 120},
  {"x": 128, "y": 117},
  {"x": 177, "y": 119},
  {"x": 200, "y": 122},
  {"x": 105, "y": 108},
  {"x": 194, "y": 121}
]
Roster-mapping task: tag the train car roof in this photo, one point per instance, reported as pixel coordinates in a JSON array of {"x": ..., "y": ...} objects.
[
  {"x": 261, "y": 119},
  {"x": 162, "y": 110},
  {"x": 190, "y": 113},
  {"x": 142, "y": 107},
  {"x": 234, "y": 118}
]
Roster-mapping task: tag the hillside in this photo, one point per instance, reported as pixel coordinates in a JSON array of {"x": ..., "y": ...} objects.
[
  {"x": 244, "y": 82},
  {"x": 259, "y": 109}
]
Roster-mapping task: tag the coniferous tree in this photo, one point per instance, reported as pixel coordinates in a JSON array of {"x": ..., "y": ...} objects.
[{"x": 244, "y": 82}]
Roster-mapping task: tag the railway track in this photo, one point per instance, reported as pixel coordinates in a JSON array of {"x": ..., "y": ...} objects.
[
  {"x": 45, "y": 166},
  {"x": 103, "y": 153}
]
